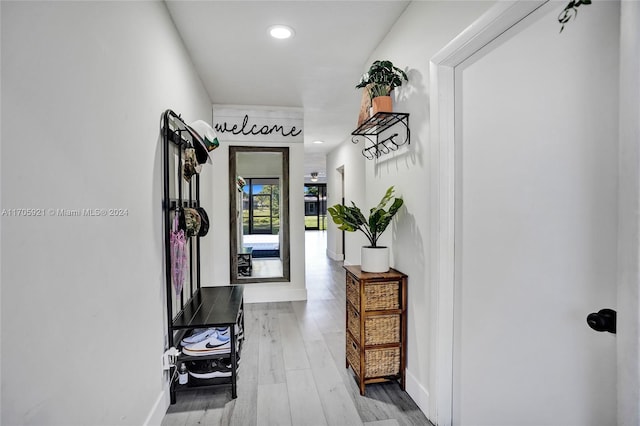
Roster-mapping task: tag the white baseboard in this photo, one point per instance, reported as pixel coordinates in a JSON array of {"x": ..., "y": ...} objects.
[
  {"x": 335, "y": 256},
  {"x": 255, "y": 294},
  {"x": 418, "y": 393},
  {"x": 159, "y": 409}
]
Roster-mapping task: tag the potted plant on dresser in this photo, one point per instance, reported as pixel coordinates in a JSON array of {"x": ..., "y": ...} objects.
[
  {"x": 374, "y": 258},
  {"x": 379, "y": 81}
]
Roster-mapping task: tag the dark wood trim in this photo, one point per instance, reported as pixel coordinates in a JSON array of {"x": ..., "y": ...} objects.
[{"x": 284, "y": 219}]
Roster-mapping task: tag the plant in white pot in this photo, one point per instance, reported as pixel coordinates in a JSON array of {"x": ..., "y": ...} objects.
[
  {"x": 350, "y": 218},
  {"x": 379, "y": 81}
]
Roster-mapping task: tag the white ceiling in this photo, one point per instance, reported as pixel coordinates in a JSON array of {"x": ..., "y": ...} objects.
[{"x": 317, "y": 69}]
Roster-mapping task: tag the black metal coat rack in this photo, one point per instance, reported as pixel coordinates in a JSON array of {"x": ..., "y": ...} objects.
[
  {"x": 196, "y": 307},
  {"x": 176, "y": 136}
]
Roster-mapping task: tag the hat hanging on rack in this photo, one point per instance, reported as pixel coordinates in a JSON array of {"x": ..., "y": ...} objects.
[
  {"x": 240, "y": 183},
  {"x": 202, "y": 154},
  {"x": 205, "y": 140},
  {"x": 190, "y": 164},
  {"x": 204, "y": 222},
  {"x": 209, "y": 135},
  {"x": 192, "y": 221}
]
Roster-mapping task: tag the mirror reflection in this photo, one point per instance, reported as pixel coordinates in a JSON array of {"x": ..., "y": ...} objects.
[{"x": 259, "y": 214}]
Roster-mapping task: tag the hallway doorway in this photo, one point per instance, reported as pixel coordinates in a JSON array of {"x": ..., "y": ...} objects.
[{"x": 315, "y": 206}]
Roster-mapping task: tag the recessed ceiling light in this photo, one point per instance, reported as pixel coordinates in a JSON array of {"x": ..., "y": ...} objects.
[
  {"x": 281, "y": 31},
  {"x": 318, "y": 141}
]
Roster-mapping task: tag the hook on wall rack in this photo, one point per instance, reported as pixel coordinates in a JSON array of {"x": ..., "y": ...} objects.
[
  {"x": 372, "y": 130},
  {"x": 179, "y": 132},
  {"x": 175, "y": 204}
]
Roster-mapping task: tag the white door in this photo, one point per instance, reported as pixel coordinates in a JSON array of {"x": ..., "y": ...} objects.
[{"x": 536, "y": 220}]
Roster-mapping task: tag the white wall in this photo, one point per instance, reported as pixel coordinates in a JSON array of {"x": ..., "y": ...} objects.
[
  {"x": 259, "y": 165},
  {"x": 84, "y": 85},
  {"x": 423, "y": 29},
  {"x": 349, "y": 157}
]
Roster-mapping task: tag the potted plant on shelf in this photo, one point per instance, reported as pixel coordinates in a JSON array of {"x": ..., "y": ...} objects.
[
  {"x": 379, "y": 81},
  {"x": 374, "y": 258}
]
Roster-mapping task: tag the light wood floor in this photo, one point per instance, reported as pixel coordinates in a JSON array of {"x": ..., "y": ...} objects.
[
  {"x": 292, "y": 369},
  {"x": 267, "y": 267}
]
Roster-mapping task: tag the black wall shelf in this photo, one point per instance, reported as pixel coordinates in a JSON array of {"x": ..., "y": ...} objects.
[{"x": 372, "y": 130}]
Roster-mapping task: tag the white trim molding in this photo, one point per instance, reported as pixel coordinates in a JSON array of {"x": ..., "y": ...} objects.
[
  {"x": 628, "y": 338},
  {"x": 417, "y": 391},
  {"x": 273, "y": 292},
  {"x": 494, "y": 22},
  {"x": 335, "y": 256},
  {"x": 159, "y": 409}
]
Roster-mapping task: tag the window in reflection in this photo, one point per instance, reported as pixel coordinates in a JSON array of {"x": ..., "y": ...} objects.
[
  {"x": 261, "y": 224},
  {"x": 315, "y": 206}
]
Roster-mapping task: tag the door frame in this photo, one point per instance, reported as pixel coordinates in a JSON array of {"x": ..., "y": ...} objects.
[
  {"x": 321, "y": 206},
  {"x": 628, "y": 344}
]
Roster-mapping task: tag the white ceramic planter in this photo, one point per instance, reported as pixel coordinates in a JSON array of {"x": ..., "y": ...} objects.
[{"x": 374, "y": 259}]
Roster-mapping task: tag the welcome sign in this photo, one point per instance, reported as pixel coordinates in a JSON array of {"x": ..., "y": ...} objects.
[{"x": 238, "y": 123}]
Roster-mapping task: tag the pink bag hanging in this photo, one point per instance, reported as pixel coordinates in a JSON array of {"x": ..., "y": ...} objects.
[{"x": 178, "y": 243}]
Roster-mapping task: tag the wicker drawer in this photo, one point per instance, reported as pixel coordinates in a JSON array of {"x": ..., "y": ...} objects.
[
  {"x": 353, "y": 291},
  {"x": 378, "y": 329},
  {"x": 378, "y": 296},
  {"x": 378, "y": 362},
  {"x": 382, "y": 295}
]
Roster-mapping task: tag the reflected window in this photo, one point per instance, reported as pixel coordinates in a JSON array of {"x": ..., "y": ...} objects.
[
  {"x": 261, "y": 217},
  {"x": 315, "y": 206}
]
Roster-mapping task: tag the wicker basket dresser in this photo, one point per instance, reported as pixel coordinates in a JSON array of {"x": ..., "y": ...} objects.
[{"x": 376, "y": 320}]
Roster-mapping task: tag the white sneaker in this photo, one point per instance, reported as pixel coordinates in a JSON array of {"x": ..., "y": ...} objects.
[
  {"x": 223, "y": 332},
  {"x": 211, "y": 375},
  {"x": 212, "y": 345},
  {"x": 198, "y": 335}
]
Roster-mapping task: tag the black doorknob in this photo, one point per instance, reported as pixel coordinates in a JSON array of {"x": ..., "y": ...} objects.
[{"x": 603, "y": 320}]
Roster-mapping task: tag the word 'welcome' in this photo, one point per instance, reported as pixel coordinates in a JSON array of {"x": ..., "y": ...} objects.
[{"x": 255, "y": 129}]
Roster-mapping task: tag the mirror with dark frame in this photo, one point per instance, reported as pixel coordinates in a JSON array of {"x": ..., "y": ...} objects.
[{"x": 259, "y": 214}]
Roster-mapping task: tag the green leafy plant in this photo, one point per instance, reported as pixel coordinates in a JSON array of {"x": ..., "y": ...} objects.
[
  {"x": 351, "y": 219},
  {"x": 570, "y": 11},
  {"x": 382, "y": 78}
]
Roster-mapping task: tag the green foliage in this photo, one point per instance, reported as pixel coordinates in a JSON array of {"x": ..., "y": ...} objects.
[
  {"x": 311, "y": 190},
  {"x": 313, "y": 222},
  {"x": 570, "y": 11},
  {"x": 382, "y": 78},
  {"x": 351, "y": 219},
  {"x": 274, "y": 190}
]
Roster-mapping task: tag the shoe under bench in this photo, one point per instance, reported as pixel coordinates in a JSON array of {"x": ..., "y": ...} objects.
[{"x": 209, "y": 307}]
